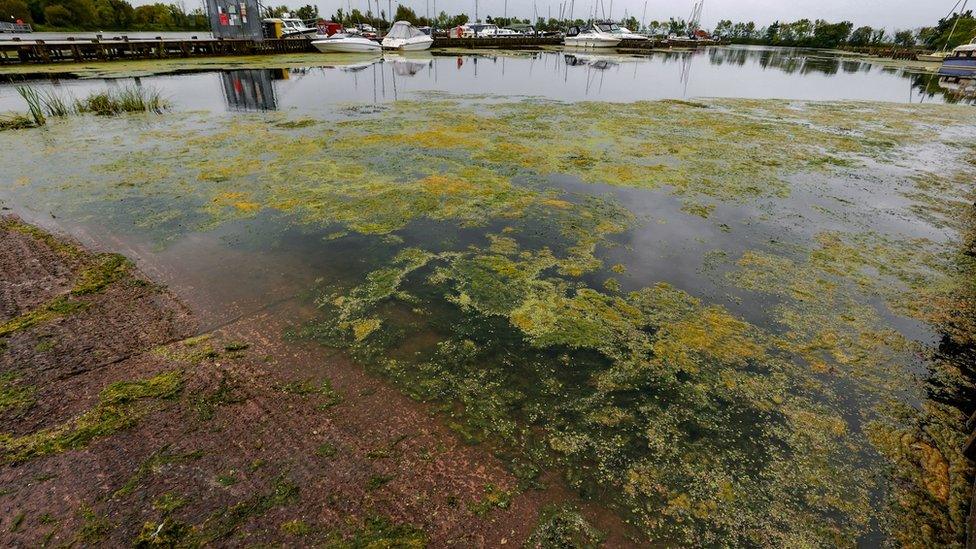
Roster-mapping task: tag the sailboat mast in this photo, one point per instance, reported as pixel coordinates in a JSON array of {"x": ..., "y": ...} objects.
[{"x": 962, "y": 10}]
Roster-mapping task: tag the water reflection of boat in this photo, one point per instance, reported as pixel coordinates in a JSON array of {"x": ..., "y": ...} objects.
[
  {"x": 345, "y": 43},
  {"x": 359, "y": 67},
  {"x": 958, "y": 87},
  {"x": 403, "y": 66},
  {"x": 599, "y": 62},
  {"x": 599, "y": 35}
]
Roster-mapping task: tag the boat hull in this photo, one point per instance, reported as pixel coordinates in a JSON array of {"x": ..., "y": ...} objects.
[
  {"x": 336, "y": 46},
  {"x": 310, "y": 33},
  {"x": 958, "y": 66},
  {"x": 409, "y": 45},
  {"x": 592, "y": 42}
]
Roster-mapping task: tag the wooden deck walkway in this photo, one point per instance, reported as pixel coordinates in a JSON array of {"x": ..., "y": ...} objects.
[
  {"x": 94, "y": 49},
  {"x": 81, "y": 50}
]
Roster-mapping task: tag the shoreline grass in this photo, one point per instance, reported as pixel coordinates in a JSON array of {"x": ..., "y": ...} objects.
[{"x": 127, "y": 99}]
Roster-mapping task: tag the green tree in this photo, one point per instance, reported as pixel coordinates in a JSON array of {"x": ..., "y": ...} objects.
[
  {"x": 677, "y": 26},
  {"x": 861, "y": 36},
  {"x": 280, "y": 11},
  {"x": 878, "y": 37},
  {"x": 114, "y": 14},
  {"x": 830, "y": 35},
  {"x": 12, "y": 10},
  {"x": 78, "y": 14},
  {"x": 724, "y": 28},
  {"x": 58, "y": 16},
  {"x": 307, "y": 12},
  {"x": 156, "y": 16},
  {"x": 905, "y": 38},
  {"x": 942, "y": 35},
  {"x": 403, "y": 13}
]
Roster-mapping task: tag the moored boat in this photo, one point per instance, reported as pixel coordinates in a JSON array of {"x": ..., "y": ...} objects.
[
  {"x": 344, "y": 43},
  {"x": 936, "y": 57},
  {"x": 961, "y": 62},
  {"x": 600, "y": 35},
  {"x": 406, "y": 37},
  {"x": 292, "y": 27}
]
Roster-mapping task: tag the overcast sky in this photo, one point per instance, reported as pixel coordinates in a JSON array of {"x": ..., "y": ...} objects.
[{"x": 879, "y": 13}]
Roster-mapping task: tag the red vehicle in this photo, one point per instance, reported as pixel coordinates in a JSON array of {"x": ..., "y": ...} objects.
[{"x": 329, "y": 28}]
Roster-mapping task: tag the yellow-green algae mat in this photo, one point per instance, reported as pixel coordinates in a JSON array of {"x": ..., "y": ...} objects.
[{"x": 808, "y": 399}]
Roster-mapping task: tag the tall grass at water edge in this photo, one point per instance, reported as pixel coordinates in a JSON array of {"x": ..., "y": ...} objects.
[
  {"x": 40, "y": 105},
  {"x": 34, "y": 104},
  {"x": 127, "y": 99}
]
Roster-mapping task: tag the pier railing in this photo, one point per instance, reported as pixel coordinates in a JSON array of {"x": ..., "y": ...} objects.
[{"x": 7, "y": 27}]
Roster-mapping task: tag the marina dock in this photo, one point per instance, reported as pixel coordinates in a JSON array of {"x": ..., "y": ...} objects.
[
  {"x": 121, "y": 48},
  {"x": 94, "y": 49}
]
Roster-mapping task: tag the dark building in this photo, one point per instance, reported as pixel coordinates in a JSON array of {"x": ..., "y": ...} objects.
[{"x": 235, "y": 19}]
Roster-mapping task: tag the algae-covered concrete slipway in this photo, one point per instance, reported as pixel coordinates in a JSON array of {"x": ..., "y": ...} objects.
[{"x": 689, "y": 319}]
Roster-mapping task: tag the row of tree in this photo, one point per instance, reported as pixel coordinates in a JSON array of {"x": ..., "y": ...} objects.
[
  {"x": 121, "y": 15},
  {"x": 823, "y": 34},
  {"x": 102, "y": 15}
]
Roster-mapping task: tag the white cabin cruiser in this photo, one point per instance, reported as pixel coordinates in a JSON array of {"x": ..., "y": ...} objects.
[
  {"x": 292, "y": 27},
  {"x": 628, "y": 34},
  {"x": 600, "y": 35},
  {"x": 406, "y": 37},
  {"x": 346, "y": 43}
]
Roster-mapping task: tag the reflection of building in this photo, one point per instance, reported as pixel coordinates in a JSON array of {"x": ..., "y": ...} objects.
[{"x": 251, "y": 89}]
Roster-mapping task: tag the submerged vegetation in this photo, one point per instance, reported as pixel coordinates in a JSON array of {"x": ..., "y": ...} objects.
[
  {"x": 119, "y": 406},
  {"x": 702, "y": 324}
]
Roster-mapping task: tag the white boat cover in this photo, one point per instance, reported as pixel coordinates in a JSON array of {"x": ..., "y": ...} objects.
[{"x": 403, "y": 30}]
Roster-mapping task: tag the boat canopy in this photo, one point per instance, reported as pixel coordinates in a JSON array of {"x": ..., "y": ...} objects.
[
  {"x": 965, "y": 47},
  {"x": 403, "y": 30}
]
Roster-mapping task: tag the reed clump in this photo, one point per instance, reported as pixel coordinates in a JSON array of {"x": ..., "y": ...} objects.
[
  {"x": 123, "y": 100},
  {"x": 41, "y": 105},
  {"x": 35, "y": 102}
]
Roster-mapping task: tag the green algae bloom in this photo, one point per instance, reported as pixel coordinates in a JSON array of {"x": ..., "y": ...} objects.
[
  {"x": 687, "y": 309},
  {"x": 119, "y": 406}
]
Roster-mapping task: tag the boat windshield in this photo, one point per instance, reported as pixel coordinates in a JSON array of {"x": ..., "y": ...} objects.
[
  {"x": 607, "y": 27},
  {"x": 403, "y": 29}
]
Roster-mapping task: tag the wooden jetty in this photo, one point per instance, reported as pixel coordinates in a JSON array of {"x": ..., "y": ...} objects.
[
  {"x": 94, "y": 49},
  {"x": 79, "y": 50},
  {"x": 889, "y": 52}
]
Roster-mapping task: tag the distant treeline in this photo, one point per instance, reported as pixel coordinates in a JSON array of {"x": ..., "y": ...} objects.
[
  {"x": 823, "y": 34},
  {"x": 120, "y": 15},
  {"x": 102, "y": 15}
]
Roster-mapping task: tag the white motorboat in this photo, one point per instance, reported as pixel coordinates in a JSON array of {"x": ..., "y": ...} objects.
[
  {"x": 961, "y": 62},
  {"x": 345, "y": 43},
  {"x": 628, "y": 34},
  {"x": 936, "y": 57},
  {"x": 406, "y": 37},
  {"x": 599, "y": 35},
  {"x": 292, "y": 27}
]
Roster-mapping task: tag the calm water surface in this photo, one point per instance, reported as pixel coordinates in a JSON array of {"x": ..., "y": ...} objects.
[
  {"x": 132, "y": 184},
  {"x": 741, "y": 72}
]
